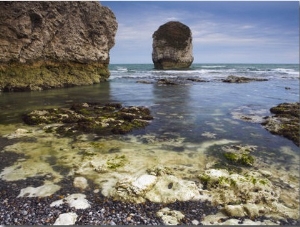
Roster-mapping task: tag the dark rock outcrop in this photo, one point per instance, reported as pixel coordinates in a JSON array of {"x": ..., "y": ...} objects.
[
  {"x": 103, "y": 120},
  {"x": 54, "y": 44},
  {"x": 241, "y": 79},
  {"x": 285, "y": 121},
  {"x": 172, "y": 46}
]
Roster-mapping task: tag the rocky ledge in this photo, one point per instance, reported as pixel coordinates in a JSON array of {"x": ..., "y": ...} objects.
[
  {"x": 285, "y": 121},
  {"x": 241, "y": 79},
  {"x": 106, "y": 119},
  {"x": 54, "y": 44}
]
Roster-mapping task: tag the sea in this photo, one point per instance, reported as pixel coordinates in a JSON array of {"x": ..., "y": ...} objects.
[{"x": 193, "y": 117}]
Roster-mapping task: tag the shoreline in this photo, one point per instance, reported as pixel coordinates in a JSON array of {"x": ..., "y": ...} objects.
[{"x": 104, "y": 211}]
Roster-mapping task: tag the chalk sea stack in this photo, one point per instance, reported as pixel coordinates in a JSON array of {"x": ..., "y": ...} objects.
[
  {"x": 172, "y": 46},
  {"x": 54, "y": 44}
]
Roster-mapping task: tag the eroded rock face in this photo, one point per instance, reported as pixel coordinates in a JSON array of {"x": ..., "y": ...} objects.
[
  {"x": 172, "y": 46},
  {"x": 54, "y": 44}
]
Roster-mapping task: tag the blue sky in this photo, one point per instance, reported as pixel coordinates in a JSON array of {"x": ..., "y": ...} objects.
[{"x": 223, "y": 32}]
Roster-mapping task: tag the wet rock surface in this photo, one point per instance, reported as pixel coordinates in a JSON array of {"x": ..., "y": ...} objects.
[
  {"x": 173, "y": 81},
  {"x": 106, "y": 119},
  {"x": 285, "y": 121},
  {"x": 242, "y": 198},
  {"x": 241, "y": 79}
]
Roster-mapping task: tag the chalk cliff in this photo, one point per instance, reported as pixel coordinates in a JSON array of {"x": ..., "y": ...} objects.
[
  {"x": 54, "y": 44},
  {"x": 172, "y": 46}
]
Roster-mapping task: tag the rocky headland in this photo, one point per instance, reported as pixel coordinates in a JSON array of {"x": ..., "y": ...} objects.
[
  {"x": 172, "y": 46},
  {"x": 54, "y": 44}
]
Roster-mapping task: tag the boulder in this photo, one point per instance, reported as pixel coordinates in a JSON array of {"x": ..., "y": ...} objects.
[
  {"x": 172, "y": 46},
  {"x": 80, "y": 182},
  {"x": 54, "y": 44}
]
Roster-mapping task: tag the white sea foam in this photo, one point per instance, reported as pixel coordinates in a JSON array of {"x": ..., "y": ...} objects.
[
  {"x": 213, "y": 66},
  {"x": 286, "y": 71},
  {"x": 207, "y": 72}
]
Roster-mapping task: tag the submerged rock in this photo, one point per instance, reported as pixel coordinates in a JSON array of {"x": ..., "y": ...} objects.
[
  {"x": 239, "y": 155},
  {"x": 285, "y": 121},
  {"x": 54, "y": 44},
  {"x": 172, "y": 46},
  {"x": 106, "y": 119},
  {"x": 241, "y": 79}
]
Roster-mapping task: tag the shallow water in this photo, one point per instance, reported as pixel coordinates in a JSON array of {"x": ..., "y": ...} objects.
[{"x": 191, "y": 122}]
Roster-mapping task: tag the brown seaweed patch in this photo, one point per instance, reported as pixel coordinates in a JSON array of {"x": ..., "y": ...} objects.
[
  {"x": 107, "y": 119},
  {"x": 285, "y": 121}
]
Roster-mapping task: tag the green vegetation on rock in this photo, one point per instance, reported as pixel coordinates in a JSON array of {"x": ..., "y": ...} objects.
[
  {"x": 285, "y": 121},
  {"x": 242, "y": 159},
  {"x": 47, "y": 75},
  {"x": 106, "y": 119},
  {"x": 116, "y": 162}
]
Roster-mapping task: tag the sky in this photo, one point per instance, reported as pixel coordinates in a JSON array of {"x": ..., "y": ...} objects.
[{"x": 222, "y": 31}]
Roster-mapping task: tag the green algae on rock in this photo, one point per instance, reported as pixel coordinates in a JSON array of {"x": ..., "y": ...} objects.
[
  {"x": 44, "y": 75},
  {"x": 106, "y": 119},
  {"x": 248, "y": 194},
  {"x": 234, "y": 158},
  {"x": 150, "y": 172},
  {"x": 285, "y": 121},
  {"x": 239, "y": 155}
]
